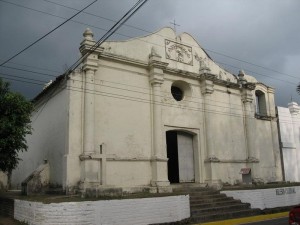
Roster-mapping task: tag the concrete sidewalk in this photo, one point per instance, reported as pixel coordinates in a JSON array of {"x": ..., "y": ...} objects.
[
  {"x": 247, "y": 219},
  {"x": 9, "y": 221},
  {"x": 4, "y": 220}
]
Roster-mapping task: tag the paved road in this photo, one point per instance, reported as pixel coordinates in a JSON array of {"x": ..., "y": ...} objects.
[
  {"x": 280, "y": 221},
  {"x": 9, "y": 221}
]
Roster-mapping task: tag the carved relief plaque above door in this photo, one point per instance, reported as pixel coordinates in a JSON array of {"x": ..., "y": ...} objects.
[{"x": 179, "y": 52}]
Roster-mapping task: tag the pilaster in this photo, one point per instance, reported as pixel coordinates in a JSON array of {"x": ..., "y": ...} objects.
[
  {"x": 159, "y": 156},
  {"x": 91, "y": 158},
  {"x": 207, "y": 90},
  {"x": 250, "y": 128}
]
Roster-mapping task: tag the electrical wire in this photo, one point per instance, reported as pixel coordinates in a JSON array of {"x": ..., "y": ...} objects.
[
  {"x": 34, "y": 67},
  {"x": 147, "y": 31},
  {"x": 10, "y": 75},
  {"x": 111, "y": 31},
  {"x": 39, "y": 39},
  {"x": 30, "y": 71},
  {"x": 149, "y": 101},
  {"x": 127, "y": 15},
  {"x": 261, "y": 74},
  {"x": 22, "y": 81},
  {"x": 101, "y": 81}
]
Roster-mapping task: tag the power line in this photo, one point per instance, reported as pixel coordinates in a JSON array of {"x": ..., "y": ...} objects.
[
  {"x": 148, "y": 101},
  {"x": 139, "y": 92},
  {"x": 101, "y": 17},
  {"x": 147, "y": 31},
  {"x": 30, "y": 71},
  {"x": 252, "y": 72},
  {"x": 138, "y": 99},
  {"x": 221, "y": 63},
  {"x": 10, "y": 75},
  {"x": 35, "y": 67},
  {"x": 27, "y": 47},
  {"x": 110, "y": 32},
  {"x": 124, "y": 89},
  {"x": 250, "y": 63},
  {"x": 22, "y": 81},
  {"x": 115, "y": 27},
  {"x": 144, "y": 88}
]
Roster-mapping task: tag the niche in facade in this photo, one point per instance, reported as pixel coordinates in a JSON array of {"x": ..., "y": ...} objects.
[
  {"x": 261, "y": 107},
  {"x": 180, "y": 90}
]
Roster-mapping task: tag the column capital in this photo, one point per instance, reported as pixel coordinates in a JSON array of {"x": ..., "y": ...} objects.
[
  {"x": 207, "y": 76},
  {"x": 247, "y": 96},
  {"x": 156, "y": 69},
  {"x": 207, "y": 86},
  {"x": 156, "y": 78},
  {"x": 155, "y": 62},
  {"x": 90, "y": 64}
]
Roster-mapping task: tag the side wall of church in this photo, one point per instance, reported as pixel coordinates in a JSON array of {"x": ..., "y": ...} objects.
[
  {"x": 289, "y": 123},
  {"x": 47, "y": 141}
]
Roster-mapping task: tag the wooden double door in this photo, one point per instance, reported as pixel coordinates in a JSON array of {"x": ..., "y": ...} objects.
[{"x": 180, "y": 152}]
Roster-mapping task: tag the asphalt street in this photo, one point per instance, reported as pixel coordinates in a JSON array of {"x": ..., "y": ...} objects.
[{"x": 280, "y": 221}]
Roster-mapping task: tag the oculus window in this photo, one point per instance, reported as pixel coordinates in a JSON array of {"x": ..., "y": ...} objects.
[
  {"x": 177, "y": 93},
  {"x": 181, "y": 90}
]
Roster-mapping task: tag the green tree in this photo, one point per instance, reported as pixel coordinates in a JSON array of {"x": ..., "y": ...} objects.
[{"x": 15, "y": 124}]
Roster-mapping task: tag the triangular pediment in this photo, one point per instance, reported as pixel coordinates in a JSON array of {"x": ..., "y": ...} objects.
[{"x": 181, "y": 52}]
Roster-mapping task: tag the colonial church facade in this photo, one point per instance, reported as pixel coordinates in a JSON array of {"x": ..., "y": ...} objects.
[{"x": 149, "y": 112}]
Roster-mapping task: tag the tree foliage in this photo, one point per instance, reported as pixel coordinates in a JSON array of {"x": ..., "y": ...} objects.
[{"x": 15, "y": 124}]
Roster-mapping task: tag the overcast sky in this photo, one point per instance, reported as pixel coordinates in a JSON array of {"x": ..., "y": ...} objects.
[{"x": 263, "y": 34}]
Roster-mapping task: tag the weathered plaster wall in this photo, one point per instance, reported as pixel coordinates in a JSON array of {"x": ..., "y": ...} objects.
[
  {"x": 124, "y": 114},
  {"x": 125, "y": 87},
  {"x": 48, "y": 140},
  {"x": 130, "y": 211}
]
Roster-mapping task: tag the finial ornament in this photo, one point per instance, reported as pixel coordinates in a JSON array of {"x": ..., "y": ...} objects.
[
  {"x": 88, "y": 34},
  {"x": 242, "y": 79}
]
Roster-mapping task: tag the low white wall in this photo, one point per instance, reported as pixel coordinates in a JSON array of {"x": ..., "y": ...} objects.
[
  {"x": 267, "y": 198},
  {"x": 128, "y": 211}
]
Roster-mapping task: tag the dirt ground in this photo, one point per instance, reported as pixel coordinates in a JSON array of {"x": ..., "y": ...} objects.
[{"x": 9, "y": 221}]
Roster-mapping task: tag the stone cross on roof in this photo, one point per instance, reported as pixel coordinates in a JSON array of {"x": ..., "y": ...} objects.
[{"x": 174, "y": 24}]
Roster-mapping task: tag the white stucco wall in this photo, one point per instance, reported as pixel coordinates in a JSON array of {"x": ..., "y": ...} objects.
[
  {"x": 289, "y": 123},
  {"x": 48, "y": 139},
  {"x": 130, "y": 211},
  {"x": 267, "y": 198}
]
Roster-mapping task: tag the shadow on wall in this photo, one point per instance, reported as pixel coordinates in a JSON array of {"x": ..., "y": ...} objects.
[{"x": 38, "y": 181}]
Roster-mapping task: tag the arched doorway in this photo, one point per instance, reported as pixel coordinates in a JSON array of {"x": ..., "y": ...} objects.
[{"x": 181, "y": 157}]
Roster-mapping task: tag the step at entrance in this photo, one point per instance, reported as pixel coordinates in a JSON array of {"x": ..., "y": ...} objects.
[{"x": 207, "y": 204}]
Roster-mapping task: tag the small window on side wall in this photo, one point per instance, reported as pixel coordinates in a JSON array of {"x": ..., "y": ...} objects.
[{"x": 260, "y": 103}]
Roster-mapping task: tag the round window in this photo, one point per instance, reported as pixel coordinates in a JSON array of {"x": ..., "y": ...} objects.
[
  {"x": 177, "y": 93},
  {"x": 181, "y": 90}
]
